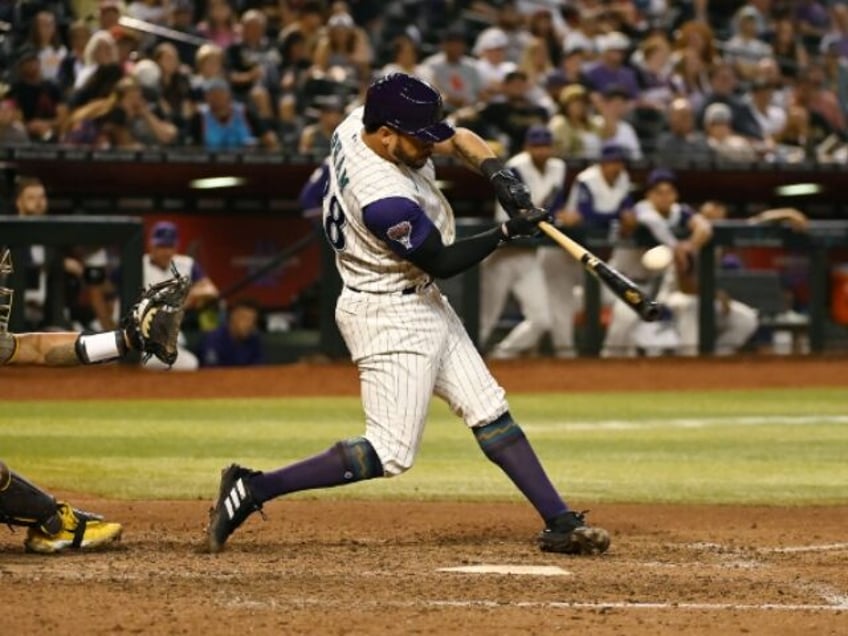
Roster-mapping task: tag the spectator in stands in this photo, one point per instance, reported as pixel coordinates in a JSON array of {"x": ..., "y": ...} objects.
[
  {"x": 837, "y": 37},
  {"x": 100, "y": 51},
  {"x": 654, "y": 73},
  {"x": 726, "y": 144},
  {"x": 812, "y": 19},
  {"x": 573, "y": 60},
  {"x": 219, "y": 26},
  {"x": 315, "y": 138},
  {"x": 39, "y": 100},
  {"x": 536, "y": 64},
  {"x": 78, "y": 36},
  {"x": 181, "y": 19},
  {"x": 175, "y": 99},
  {"x": 681, "y": 144},
  {"x": 341, "y": 52},
  {"x": 236, "y": 343},
  {"x": 307, "y": 27},
  {"x": 610, "y": 70},
  {"x": 47, "y": 42},
  {"x": 296, "y": 63},
  {"x": 612, "y": 107},
  {"x": 405, "y": 59},
  {"x": 492, "y": 65},
  {"x": 12, "y": 131},
  {"x": 222, "y": 123},
  {"x": 723, "y": 85},
  {"x": 289, "y": 123},
  {"x": 574, "y": 133},
  {"x": 253, "y": 64},
  {"x": 770, "y": 118},
  {"x": 812, "y": 93},
  {"x": 511, "y": 22},
  {"x": 108, "y": 14},
  {"x": 208, "y": 65},
  {"x": 599, "y": 198},
  {"x": 761, "y": 10},
  {"x": 745, "y": 49},
  {"x": 454, "y": 74},
  {"x": 508, "y": 120},
  {"x": 787, "y": 49},
  {"x": 122, "y": 120},
  {"x": 541, "y": 25}
]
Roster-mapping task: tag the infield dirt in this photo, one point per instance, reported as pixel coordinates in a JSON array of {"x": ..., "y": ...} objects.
[{"x": 344, "y": 567}]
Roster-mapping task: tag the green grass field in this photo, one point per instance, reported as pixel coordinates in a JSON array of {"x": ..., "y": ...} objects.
[{"x": 769, "y": 447}]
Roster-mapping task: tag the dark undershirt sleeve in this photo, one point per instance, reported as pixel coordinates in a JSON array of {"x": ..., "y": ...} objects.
[{"x": 409, "y": 233}]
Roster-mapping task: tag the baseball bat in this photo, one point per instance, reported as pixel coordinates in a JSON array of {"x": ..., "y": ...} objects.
[{"x": 647, "y": 309}]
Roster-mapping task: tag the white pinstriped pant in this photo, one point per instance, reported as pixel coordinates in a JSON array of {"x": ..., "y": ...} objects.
[{"x": 407, "y": 348}]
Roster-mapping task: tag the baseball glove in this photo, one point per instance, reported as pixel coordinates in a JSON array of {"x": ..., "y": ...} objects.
[{"x": 153, "y": 323}]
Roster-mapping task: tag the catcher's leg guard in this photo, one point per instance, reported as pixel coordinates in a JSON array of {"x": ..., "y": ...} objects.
[{"x": 25, "y": 504}]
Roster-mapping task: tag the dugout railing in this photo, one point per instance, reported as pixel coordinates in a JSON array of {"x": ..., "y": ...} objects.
[{"x": 55, "y": 232}]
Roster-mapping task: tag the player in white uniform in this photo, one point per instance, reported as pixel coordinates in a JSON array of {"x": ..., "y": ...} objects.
[
  {"x": 516, "y": 269},
  {"x": 666, "y": 219},
  {"x": 156, "y": 268},
  {"x": 599, "y": 197},
  {"x": 393, "y": 232}
]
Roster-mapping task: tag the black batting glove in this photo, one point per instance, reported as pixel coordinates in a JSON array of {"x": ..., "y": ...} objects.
[
  {"x": 525, "y": 224},
  {"x": 511, "y": 192}
]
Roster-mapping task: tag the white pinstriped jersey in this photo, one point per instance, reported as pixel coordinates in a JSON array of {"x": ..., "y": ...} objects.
[
  {"x": 359, "y": 177},
  {"x": 152, "y": 274},
  {"x": 543, "y": 184}
]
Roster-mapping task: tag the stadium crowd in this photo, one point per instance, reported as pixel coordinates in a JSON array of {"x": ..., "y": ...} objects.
[{"x": 727, "y": 80}]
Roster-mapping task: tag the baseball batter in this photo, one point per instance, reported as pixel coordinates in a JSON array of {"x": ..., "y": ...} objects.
[
  {"x": 393, "y": 233},
  {"x": 516, "y": 270}
]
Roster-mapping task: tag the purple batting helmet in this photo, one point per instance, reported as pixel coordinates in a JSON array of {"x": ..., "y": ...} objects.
[{"x": 408, "y": 105}]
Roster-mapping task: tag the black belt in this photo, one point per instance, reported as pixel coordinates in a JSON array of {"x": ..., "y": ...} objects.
[{"x": 409, "y": 290}]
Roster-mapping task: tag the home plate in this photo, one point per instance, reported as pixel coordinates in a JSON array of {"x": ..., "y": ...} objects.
[{"x": 534, "y": 570}]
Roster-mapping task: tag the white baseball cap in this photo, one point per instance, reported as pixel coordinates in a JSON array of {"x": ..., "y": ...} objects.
[
  {"x": 491, "y": 38},
  {"x": 613, "y": 41}
]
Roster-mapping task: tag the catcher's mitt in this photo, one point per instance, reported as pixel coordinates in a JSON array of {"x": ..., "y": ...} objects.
[{"x": 153, "y": 323}]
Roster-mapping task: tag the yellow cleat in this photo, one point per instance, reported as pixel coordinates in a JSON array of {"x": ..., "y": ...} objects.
[{"x": 80, "y": 531}]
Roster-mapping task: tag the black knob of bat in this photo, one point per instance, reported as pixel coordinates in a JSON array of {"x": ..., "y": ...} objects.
[{"x": 653, "y": 311}]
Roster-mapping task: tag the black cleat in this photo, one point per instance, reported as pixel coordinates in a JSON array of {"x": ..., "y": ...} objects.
[
  {"x": 569, "y": 534},
  {"x": 235, "y": 503}
]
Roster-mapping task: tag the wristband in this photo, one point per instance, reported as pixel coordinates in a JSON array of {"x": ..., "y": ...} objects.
[
  {"x": 491, "y": 166},
  {"x": 100, "y": 347}
]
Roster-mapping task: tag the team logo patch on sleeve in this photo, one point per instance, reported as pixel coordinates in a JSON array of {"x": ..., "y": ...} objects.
[{"x": 402, "y": 233}]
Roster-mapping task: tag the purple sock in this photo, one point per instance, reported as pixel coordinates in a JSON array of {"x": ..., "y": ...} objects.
[
  {"x": 320, "y": 471},
  {"x": 504, "y": 443}
]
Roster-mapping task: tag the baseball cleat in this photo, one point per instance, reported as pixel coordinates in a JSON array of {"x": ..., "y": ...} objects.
[
  {"x": 80, "y": 531},
  {"x": 569, "y": 534},
  {"x": 235, "y": 503}
]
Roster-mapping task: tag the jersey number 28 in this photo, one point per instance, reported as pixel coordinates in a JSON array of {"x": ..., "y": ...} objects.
[{"x": 334, "y": 224}]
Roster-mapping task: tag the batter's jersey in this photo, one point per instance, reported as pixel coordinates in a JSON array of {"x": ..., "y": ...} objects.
[
  {"x": 358, "y": 178},
  {"x": 546, "y": 185}
]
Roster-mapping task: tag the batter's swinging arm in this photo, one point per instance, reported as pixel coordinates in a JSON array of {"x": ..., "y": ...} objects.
[{"x": 649, "y": 310}]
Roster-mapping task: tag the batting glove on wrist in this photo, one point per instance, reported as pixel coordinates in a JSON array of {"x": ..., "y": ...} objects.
[
  {"x": 512, "y": 194},
  {"x": 525, "y": 224}
]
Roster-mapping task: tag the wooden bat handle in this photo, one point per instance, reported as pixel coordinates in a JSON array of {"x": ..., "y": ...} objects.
[{"x": 572, "y": 247}]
